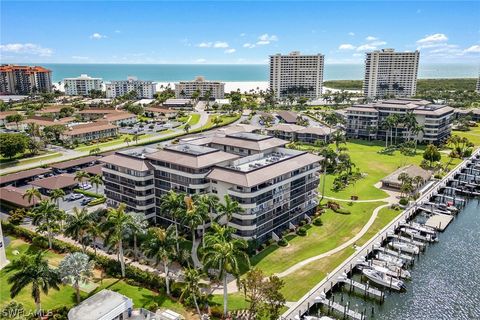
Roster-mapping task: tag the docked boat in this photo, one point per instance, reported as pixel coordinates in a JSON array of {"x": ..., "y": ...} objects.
[
  {"x": 390, "y": 259},
  {"x": 422, "y": 228},
  {"x": 414, "y": 233},
  {"x": 382, "y": 279},
  {"x": 450, "y": 208},
  {"x": 390, "y": 270},
  {"x": 405, "y": 247}
]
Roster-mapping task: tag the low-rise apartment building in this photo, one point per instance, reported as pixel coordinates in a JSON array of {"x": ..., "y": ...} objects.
[
  {"x": 24, "y": 80},
  {"x": 90, "y": 131},
  {"x": 367, "y": 121},
  {"x": 185, "y": 89},
  {"x": 82, "y": 85},
  {"x": 143, "y": 89},
  {"x": 120, "y": 118},
  {"x": 129, "y": 178},
  {"x": 293, "y": 132}
]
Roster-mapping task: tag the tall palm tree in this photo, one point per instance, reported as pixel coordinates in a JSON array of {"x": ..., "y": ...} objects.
[
  {"x": 193, "y": 217},
  {"x": 32, "y": 195},
  {"x": 76, "y": 268},
  {"x": 191, "y": 288},
  {"x": 127, "y": 140},
  {"x": 96, "y": 180},
  {"x": 416, "y": 130},
  {"x": 137, "y": 226},
  {"x": 56, "y": 195},
  {"x": 77, "y": 225},
  {"x": 223, "y": 254},
  {"x": 80, "y": 176},
  {"x": 228, "y": 208},
  {"x": 32, "y": 271},
  {"x": 160, "y": 245},
  {"x": 47, "y": 218},
  {"x": 187, "y": 127},
  {"x": 172, "y": 204},
  {"x": 115, "y": 227},
  {"x": 338, "y": 137},
  {"x": 94, "y": 231},
  {"x": 210, "y": 201}
]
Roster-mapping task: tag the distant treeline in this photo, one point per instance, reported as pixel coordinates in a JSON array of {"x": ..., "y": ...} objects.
[{"x": 422, "y": 84}]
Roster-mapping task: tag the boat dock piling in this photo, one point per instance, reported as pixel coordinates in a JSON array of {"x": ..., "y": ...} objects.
[
  {"x": 366, "y": 289},
  {"x": 397, "y": 254},
  {"x": 344, "y": 310},
  {"x": 411, "y": 240}
]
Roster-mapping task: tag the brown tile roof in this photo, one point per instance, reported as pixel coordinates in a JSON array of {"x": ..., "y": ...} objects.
[
  {"x": 411, "y": 170},
  {"x": 288, "y": 116},
  {"x": 285, "y": 127},
  {"x": 260, "y": 145},
  {"x": 260, "y": 175},
  {"x": 96, "y": 169},
  {"x": 127, "y": 162},
  {"x": 14, "y": 196},
  {"x": 160, "y": 110},
  {"x": 74, "y": 162},
  {"x": 192, "y": 161},
  {"x": 90, "y": 127},
  {"x": 118, "y": 116},
  {"x": 60, "y": 181},
  {"x": 439, "y": 111},
  {"x": 10, "y": 68},
  {"x": 23, "y": 175},
  {"x": 321, "y": 131},
  {"x": 97, "y": 111}
]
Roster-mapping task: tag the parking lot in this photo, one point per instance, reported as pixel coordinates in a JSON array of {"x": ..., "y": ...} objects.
[{"x": 149, "y": 128}]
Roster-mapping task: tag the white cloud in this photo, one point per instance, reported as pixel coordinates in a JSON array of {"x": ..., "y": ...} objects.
[
  {"x": 366, "y": 47},
  {"x": 231, "y": 50},
  {"x": 248, "y": 45},
  {"x": 97, "y": 36},
  {"x": 117, "y": 31},
  {"x": 346, "y": 46},
  {"x": 80, "y": 58},
  {"x": 26, "y": 48},
  {"x": 266, "y": 39},
  {"x": 243, "y": 34},
  {"x": 220, "y": 44},
  {"x": 351, "y": 34},
  {"x": 378, "y": 43},
  {"x": 473, "y": 49},
  {"x": 201, "y": 60},
  {"x": 431, "y": 40},
  {"x": 204, "y": 45},
  {"x": 371, "y": 38},
  {"x": 357, "y": 55}
]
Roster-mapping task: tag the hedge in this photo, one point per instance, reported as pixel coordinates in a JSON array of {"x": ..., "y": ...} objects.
[
  {"x": 97, "y": 201},
  {"x": 111, "y": 266},
  {"x": 88, "y": 193}
]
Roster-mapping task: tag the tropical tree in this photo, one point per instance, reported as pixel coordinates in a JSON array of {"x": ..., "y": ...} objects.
[
  {"x": 210, "y": 201},
  {"x": 187, "y": 127},
  {"x": 56, "y": 195},
  {"x": 34, "y": 272},
  {"x": 172, "y": 204},
  {"x": 216, "y": 121},
  {"x": 47, "y": 218},
  {"x": 95, "y": 151},
  {"x": 80, "y": 176},
  {"x": 77, "y": 226},
  {"x": 127, "y": 140},
  {"x": 194, "y": 216},
  {"x": 31, "y": 195},
  {"x": 228, "y": 208},
  {"x": 191, "y": 287},
  {"x": 223, "y": 253},
  {"x": 74, "y": 269},
  {"x": 96, "y": 180},
  {"x": 432, "y": 154},
  {"x": 160, "y": 245},
  {"x": 16, "y": 118},
  {"x": 115, "y": 227},
  {"x": 338, "y": 137},
  {"x": 94, "y": 231},
  {"x": 137, "y": 226}
]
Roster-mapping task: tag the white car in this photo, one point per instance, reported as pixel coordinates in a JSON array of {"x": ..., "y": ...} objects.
[
  {"x": 74, "y": 196},
  {"x": 85, "y": 186}
]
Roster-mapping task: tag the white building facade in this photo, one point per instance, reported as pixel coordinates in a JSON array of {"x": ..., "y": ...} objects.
[
  {"x": 297, "y": 75},
  {"x": 185, "y": 89},
  {"x": 390, "y": 73},
  {"x": 82, "y": 85},
  {"x": 117, "y": 88}
]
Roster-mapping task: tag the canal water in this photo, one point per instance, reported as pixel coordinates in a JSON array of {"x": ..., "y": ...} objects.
[{"x": 445, "y": 279}]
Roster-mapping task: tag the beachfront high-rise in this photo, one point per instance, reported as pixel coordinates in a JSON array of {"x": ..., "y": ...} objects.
[
  {"x": 81, "y": 86},
  {"x": 478, "y": 84},
  {"x": 117, "y": 88},
  {"x": 185, "y": 89},
  {"x": 24, "y": 80},
  {"x": 296, "y": 74},
  {"x": 390, "y": 73}
]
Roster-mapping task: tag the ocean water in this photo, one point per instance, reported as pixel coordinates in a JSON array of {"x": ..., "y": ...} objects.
[{"x": 236, "y": 72}]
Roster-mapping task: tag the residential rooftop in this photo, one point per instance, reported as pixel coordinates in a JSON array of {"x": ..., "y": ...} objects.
[
  {"x": 126, "y": 161},
  {"x": 89, "y": 127},
  {"x": 100, "y": 305},
  {"x": 64, "y": 180},
  {"x": 75, "y": 162},
  {"x": 23, "y": 175},
  {"x": 16, "y": 197}
]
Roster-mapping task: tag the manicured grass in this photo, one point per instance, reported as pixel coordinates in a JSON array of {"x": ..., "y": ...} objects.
[
  {"x": 384, "y": 217},
  {"x": 194, "y": 118},
  {"x": 30, "y": 160},
  {"x": 141, "y": 297},
  {"x": 297, "y": 284},
  {"x": 236, "y": 301},
  {"x": 336, "y": 229},
  {"x": 473, "y": 135},
  {"x": 226, "y": 119},
  {"x": 114, "y": 142}
]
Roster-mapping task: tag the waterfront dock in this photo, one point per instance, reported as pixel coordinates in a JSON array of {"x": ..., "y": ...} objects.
[
  {"x": 340, "y": 309},
  {"x": 439, "y": 221},
  {"x": 365, "y": 289},
  {"x": 411, "y": 240},
  {"x": 398, "y": 254}
]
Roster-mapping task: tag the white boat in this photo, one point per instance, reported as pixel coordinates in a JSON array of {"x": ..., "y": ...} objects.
[
  {"x": 448, "y": 208},
  {"x": 382, "y": 279},
  {"x": 422, "y": 228},
  {"x": 390, "y": 259},
  {"x": 405, "y": 247},
  {"x": 395, "y": 271},
  {"x": 414, "y": 233}
]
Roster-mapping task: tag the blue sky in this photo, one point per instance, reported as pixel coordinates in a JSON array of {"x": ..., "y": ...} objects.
[{"x": 234, "y": 32}]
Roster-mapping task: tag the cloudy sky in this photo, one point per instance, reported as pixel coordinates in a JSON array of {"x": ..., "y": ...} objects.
[{"x": 235, "y": 32}]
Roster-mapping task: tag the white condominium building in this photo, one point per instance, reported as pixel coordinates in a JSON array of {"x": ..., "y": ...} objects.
[
  {"x": 24, "y": 80},
  {"x": 81, "y": 86},
  {"x": 297, "y": 75},
  {"x": 144, "y": 89},
  {"x": 185, "y": 89},
  {"x": 478, "y": 85},
  {"x": 390, "y": 73}
]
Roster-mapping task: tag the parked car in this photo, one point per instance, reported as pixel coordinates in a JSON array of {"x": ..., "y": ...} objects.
[
  {"x": 85, "y": 201},
  {"x": 85, "y": 186},
  {"x": 74, "y": 196}
]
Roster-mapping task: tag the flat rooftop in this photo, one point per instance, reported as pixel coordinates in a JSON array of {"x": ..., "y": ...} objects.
[
  {"x": 101, "y": 305},
  {"x": 261, "y": 160},
  {"x": 249, "y": 136},
  {"x": 73, "y": 163},
  {"x": 64, "y": 180},
  {"x": 194, "y": 150}
]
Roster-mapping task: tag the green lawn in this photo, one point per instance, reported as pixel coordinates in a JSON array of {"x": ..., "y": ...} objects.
[
  {"x": 384, "y": 217},
  {"x": 236, "y": 301},
  {"x": 472, "y": 135},
  {"x": 194, "y": 118},
  {"x": 336, "y": 229},
  {"x": 36, "y": 159},
  {"x": 141, "y": 297},
  {"x": 114, "y": 142}
]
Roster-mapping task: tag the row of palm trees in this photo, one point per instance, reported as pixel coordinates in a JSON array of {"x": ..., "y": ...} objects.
[{"x": 408, "y": 121}]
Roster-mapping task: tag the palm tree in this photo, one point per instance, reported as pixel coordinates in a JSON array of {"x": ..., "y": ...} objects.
[
  {"x": 32, "y": 195},
  {"x": 95, "y": 151},
  {"x": 223, "y": 254},
  {"x": 94, "y": 231},
  {"x": 77, "y": 226},
  {"x": 216, "y": 121},
  {"x": 338, "y": 137},
  {"x": 187, "y": 127},
  {"x": 32, "y": 271},
  {"x": 228, "y": 208},
  {"x": 80, "y": 176},
  {"x": 172, "y": 204},
  {"x": 76, "y": 268},
  {"x": 47, "y": 217},
  {"x": 56, "y": 195},
  {"x": 191, "y": 288},
  {"x": 160, "y": 245},
  {"x": 416, "y": 130},
  {"x": 127, "y": 140},
  {"x": 193, "y": 217},
  {"x": 210, "y": 201},
  {"x": 137, "y": 226},
  {"x": 115, "y": 226},
  {"x": 96, "y": 180}
]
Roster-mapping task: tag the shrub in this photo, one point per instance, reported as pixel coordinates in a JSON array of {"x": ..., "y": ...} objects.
[
  {"x": 301, "y": 223},
  {"x": 282, "y": 242},
  {"x": 270, "y": 242},
  {"x": 88, "y": 193},
  {"x": 216, "y": 312},
  {"x": 343, "y": 211},
  {"x": 40, "y": 242},
  {"x": 403, "y": 201},
  {"x": 317, "y": 221},
  {"x": 302, "y": 231},
  {"x": 97, "y": 201}
]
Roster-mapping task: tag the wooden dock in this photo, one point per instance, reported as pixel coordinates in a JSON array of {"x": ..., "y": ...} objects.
[
  {"x": 419, "y": 244},
  {"x": 439, "y": 221},
  {"x": 400, "y": 255},
  {"x": 341, "y": 309},
  {"x": 364, "y": 288}
]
